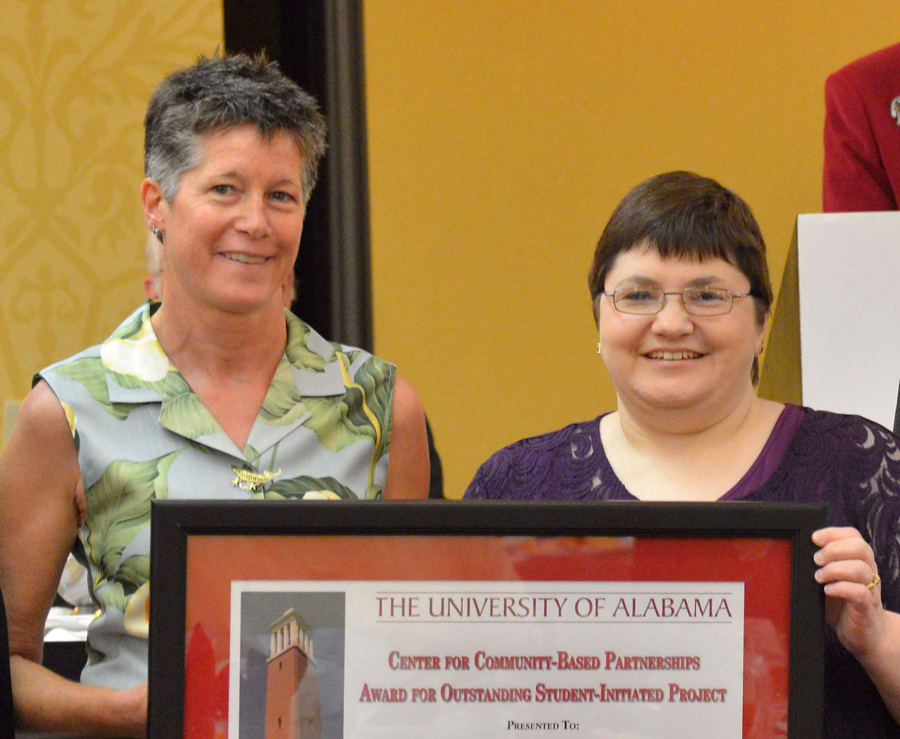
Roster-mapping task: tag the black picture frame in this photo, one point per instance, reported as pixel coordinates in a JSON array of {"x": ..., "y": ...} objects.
[{"x": 174, "y": 523}]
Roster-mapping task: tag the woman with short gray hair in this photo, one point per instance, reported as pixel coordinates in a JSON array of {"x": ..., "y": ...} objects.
[{"x": 215, "y": 393}]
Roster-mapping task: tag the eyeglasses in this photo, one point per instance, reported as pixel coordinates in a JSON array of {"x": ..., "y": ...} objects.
[{"x": 698, "y": 301}]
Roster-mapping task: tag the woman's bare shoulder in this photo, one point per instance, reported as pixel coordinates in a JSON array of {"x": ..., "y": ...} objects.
[{"x": 41, "y": 445}]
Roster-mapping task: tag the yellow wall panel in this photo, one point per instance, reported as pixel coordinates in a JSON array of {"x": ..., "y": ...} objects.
[
  {"x": 501, "y": 136},
  {"x": 75, "y": 76}
]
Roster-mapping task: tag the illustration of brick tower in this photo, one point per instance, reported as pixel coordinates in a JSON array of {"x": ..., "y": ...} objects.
[{"x": 292, "y": 687}]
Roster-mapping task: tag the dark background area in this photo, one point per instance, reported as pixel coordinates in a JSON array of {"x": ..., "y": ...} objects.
[{"x": 319, "y": 44}]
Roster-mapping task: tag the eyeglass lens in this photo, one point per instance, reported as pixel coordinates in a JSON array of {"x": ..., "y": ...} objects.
[{"x": 698, "y": 301}]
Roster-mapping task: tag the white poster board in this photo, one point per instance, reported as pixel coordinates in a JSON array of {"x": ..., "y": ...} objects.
[{"x": 849, "y": 272}]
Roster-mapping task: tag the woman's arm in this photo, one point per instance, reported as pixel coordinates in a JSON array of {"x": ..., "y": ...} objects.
[
  {"x": 40, "y": 506},
  {"x": 854, "y": 610},
  {"x": 408, "y": 466},
  {"x": 44, "y": 701}
]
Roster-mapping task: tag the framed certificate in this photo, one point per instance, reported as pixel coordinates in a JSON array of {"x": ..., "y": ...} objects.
[{"x": 478, "y": 620}]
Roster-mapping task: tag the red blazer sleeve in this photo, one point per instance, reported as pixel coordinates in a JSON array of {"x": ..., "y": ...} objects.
[{"x": 854, "y": 177}]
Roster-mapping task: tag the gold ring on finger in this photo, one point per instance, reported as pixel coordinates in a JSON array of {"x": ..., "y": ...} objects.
[{"x": 876, "y": 578}]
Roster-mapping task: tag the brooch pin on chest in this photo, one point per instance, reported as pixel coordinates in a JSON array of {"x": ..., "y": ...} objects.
[
  {"x": 895, "y": 110},
  {"x": 247, "y": 480}
]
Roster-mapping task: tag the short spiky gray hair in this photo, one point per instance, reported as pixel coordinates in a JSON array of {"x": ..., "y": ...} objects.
[{"x": 220, "y": 93}]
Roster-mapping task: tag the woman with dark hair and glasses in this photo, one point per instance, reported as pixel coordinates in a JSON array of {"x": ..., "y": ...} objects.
[
  {"x": 218, "y": 392},
  {"x": 681, "y": 296}
]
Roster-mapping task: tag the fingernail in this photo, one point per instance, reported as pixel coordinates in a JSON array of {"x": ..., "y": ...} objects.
[
  {"x": 817, "y": 558},
  {"x": 819, "y": 576}
]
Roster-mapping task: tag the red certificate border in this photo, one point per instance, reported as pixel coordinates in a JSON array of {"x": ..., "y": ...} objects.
[{"x": 199, "y": 548}]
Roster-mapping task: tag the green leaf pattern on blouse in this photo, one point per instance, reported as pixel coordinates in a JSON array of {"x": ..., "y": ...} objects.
[
  {"x": 301, "y": 355},
  {"x": 341, "y": 420},
  {"x": 118, "y": 503},
  {"x": 183, "y": 412},
  {"x": 307, "y": 488},
  {"x": 89, "y": 372},
  {"x": 282, "y": 404},
  {"x": 118, "y": 510}
]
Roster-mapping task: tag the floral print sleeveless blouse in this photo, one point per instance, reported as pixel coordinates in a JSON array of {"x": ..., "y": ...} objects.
[{"x": 140, "y": 433}]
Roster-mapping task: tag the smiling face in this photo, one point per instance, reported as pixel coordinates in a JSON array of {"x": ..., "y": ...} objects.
[
  {"x": 674, "y": 360},
  {"x": 233, "y": 228}
]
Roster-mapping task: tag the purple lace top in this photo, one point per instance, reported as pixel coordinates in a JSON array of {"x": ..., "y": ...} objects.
[{"x": 847, "y": 462}]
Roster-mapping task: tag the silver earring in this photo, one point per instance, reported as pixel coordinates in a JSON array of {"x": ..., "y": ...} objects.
[{"x": 157, "y": 233}]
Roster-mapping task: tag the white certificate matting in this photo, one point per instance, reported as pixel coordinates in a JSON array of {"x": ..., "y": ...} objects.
[{"x": 490, "y": 659}]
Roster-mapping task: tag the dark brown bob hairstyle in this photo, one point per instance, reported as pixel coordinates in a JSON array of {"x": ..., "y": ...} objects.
[{"x": 685, "y": 216}]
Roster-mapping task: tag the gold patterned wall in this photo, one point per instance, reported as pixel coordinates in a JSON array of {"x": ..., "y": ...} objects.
[{"x": 75, "y": 76}]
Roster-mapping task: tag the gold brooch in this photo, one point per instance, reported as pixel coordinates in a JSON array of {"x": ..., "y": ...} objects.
[{"x": 247, "y": 480}]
